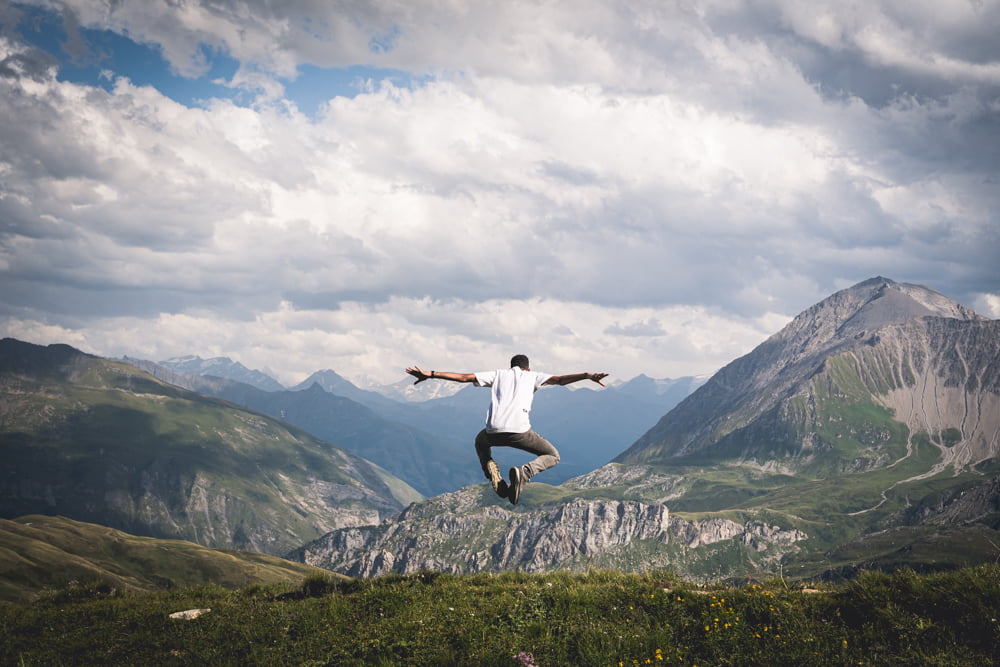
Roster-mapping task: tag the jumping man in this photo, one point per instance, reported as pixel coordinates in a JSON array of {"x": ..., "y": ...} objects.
[{"x": 507, "y": 424}]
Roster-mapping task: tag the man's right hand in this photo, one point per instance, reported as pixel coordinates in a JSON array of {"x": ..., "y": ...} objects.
[{"x": 598, "y": 377}]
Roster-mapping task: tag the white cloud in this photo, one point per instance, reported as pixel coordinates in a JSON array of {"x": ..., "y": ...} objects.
[
  {"x": 378, "y": 341},
  {"x": 988, "y": 305},
  {"x": 939, "y": 38},
  {"x": 630, "y": 188}
]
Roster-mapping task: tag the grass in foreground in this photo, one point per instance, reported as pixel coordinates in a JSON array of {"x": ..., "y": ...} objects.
[{"x": 514, "y": 619}]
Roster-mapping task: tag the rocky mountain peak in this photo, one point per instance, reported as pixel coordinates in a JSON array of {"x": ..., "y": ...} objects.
[
  {"x": 864, "y": 307},
  {"x": 875, "y": 310},
  {"x": 222, "y": 367},
  {"x": 328, "y": 379}
]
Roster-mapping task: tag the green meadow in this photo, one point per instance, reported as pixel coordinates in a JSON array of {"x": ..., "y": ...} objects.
[{"x": 517, "y": 619}]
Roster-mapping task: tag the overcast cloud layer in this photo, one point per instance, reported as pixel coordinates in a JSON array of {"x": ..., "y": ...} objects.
[{"x": 626, "y": 187}]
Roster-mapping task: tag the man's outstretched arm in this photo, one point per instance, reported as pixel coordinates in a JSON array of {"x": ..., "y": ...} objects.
[
  {"x": 576, "y": 377},
  {"x": 440, "y": 375}
]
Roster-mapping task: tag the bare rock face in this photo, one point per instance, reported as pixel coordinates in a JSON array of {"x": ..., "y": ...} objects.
[
  {"x": 966, "y": 505},
  {"x": 941, "y": 378},
  {"x": 455, "y": 533}
]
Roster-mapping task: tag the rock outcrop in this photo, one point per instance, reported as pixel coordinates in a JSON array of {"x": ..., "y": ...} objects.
[{"x": 456, "y": 533}]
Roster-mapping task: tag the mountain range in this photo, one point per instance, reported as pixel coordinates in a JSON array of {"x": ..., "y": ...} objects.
[
  {"x": 429, "y": 464},
  {"x": 222, "y": 367},
  {"x": 865, "y": 433},
  {"x": 104, "y": 442},
  {"x": 428, "y": 443}
]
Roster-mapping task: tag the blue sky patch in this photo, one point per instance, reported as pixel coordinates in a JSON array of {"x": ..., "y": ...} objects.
[{"x": 87, "y": 56}]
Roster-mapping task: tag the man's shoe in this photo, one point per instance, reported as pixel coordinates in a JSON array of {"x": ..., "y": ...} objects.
[
  {"x": 517, "y": 481},
  {"x": 499, "y": 483}
]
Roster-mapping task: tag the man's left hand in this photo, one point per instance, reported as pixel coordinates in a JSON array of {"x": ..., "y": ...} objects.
[{"x": 417, "y": 373}]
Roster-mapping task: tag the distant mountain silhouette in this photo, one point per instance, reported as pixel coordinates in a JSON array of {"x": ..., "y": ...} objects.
[{"x": 222, "y": 367}]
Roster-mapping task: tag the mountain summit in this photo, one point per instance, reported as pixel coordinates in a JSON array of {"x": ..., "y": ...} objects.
[{"x": 826, "y": 393}]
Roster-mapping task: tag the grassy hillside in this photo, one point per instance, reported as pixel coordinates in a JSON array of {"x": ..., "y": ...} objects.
[
  {"x": 101, "y": 441},
  {"x": 512, "y": 619},
  {"x": 39, "y": 553},
  {"x": 427, "y": 462}
]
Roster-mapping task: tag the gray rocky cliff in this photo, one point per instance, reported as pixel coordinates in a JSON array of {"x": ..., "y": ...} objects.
[
  {"x": 458, "y": 533},
  {"x": 969, "y": 504}
]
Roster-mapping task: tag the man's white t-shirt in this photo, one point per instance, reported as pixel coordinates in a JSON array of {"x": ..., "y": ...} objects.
[{"x": 512, "y": 391}]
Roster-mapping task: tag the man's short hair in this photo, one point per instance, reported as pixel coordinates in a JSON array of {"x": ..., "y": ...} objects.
[{"x": 521, "y": 361}]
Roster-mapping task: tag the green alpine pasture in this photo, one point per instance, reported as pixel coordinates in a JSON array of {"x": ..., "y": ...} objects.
[
  {"x": 41, "y": 554},
  {"x": 515, "y": 619}
]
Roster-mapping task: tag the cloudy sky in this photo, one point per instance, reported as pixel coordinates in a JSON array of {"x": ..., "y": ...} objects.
[{"x": 633, "y": 187}]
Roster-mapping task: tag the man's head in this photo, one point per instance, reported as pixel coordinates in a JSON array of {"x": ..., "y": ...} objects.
[{"x": 521, "y": 361}]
